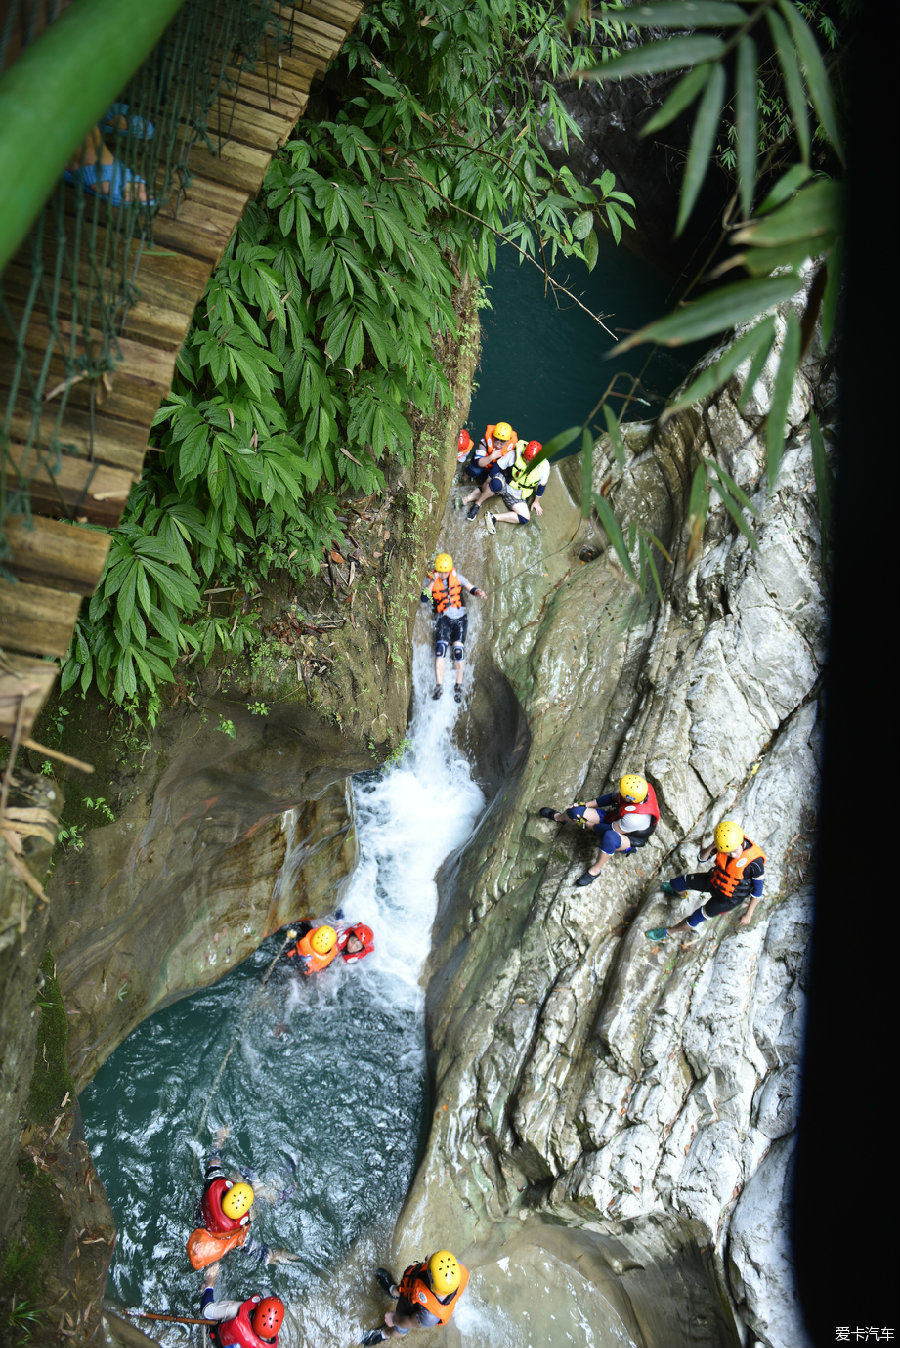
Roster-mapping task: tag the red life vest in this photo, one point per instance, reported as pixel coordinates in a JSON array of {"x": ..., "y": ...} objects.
[
  {"x": 316, "y": 962},
  {"x": 214, "y": 1219},
  {"x": 728, "y": 873},
  {"x": 649, "y": 806},
  {"x": 362, "y": 933},
  {"x": 241, "y": 1332},
  {"x": 415, "y": 1286},
  {"x": 446, "y": 591}
]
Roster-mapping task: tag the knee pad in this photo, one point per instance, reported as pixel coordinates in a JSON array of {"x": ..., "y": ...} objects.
[
  {"x": 498, "y": 485},
  {"x": 440, "y": 650},
  {"x": 523, "y": 519},
  {"x": 458, "y": 653},
  {"x": 576, "y": 814}
]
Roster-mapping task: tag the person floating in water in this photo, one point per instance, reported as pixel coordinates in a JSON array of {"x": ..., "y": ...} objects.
[
  {"x": 444, "y": 587},
  {"x": 624, "y": 820},
  {"x": 319, "y": 945},
  {"x": 736, "y": 877},
  {"x": 254, "y": 1323},
  {"x": 427, "y": 1295},
  {"x": 225, "y": 1212}
]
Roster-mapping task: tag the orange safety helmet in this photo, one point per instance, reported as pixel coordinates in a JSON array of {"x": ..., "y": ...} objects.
[
  {"x": 266, "y": 1319},
  {"x": 532, "y": 449},
  {"x": 322, "y": 938}
]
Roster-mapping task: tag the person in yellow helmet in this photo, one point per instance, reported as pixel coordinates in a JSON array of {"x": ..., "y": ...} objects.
[
  {"x": 426, "y": 1295},
  {"x": 736, "y": 877},
  {"x": 444, "y": 587},
  {"x": 498, "y": 440},
  {"x": 623, "y": 820},
  {"x": 224, "y": 1211}
]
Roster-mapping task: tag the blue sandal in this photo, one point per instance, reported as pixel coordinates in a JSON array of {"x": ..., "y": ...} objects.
[
  {"x": 139, "y": 128},
  {"x": 117, "y": 175}
]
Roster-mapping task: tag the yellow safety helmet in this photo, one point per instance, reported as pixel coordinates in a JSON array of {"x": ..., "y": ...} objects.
[
  {"x": 729, "y": 836},
  {"x": 322, "y": 939},
  {"x": 502, "y": 430},
  {"x": 633, "y": 787},
  {"x": 237, "y": 1201},
  {"x": 443, "y": 562},
  {"x": 444, "y": 1272}
]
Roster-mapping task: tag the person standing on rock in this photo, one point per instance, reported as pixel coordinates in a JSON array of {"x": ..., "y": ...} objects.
[
  {"x": 736, "y": 877},
  {"x": 426, "y": 1296},
  {"x": 444, "y": 587},
  {"x": 517, "y": 484},
  {"x": 624, "y": 820},
  {"x": 254, "y": 1323}
]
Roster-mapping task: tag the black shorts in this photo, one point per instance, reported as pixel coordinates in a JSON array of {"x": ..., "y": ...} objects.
[{"x": 451, "y": 630}]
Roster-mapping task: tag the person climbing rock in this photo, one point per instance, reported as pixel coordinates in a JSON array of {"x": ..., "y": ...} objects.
[
  {"x": 254, "y": 1323},
  {"x": 497, "y": 440},
  {"x": 624, "y": 820},
  {"x": 516, "y": 483},
  {"x": 426, "y": 1295},
  {"x": 351, "y": 940},
  {"x": 736, "y": 877},
  {"x": 444, "y": 587},
  {"x": 224, "y": 1210}
]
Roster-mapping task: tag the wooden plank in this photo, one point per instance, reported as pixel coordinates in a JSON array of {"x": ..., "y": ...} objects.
[
  {"x": 238, "y": 165},
  {"x": 48, "y": 552},
  {"x": 25, "y": 686},
  {"x": 33, "y": 618},
  {"x": 121, "y": 444},
  {"x": 71, "y": 488}
]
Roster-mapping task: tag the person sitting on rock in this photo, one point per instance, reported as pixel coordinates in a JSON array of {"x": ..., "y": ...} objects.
[
  {"x": 426, "y": 1295},
  {"x": 444, "y": 587},
  {"x": 736, "y": 877},
  {"x": 317, "y": 946},
  {"x": 497, "y": 440},
  {"x": 516, "y": 483},
  {"x": 624, "y": 820},
  {"x": 254, "y": 1323}
]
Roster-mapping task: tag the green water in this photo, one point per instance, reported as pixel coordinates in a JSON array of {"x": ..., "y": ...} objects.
[{"x": 544, "y": 362}]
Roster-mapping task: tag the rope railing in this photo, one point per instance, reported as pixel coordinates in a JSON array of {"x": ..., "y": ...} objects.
[{"x": 121, "y": 90}]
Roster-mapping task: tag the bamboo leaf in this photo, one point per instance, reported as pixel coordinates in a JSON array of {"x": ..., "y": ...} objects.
[
  {"x": 685, "y": 14},
  {"x": 559, "y": 443},
  {"x": 781, "y": 397},
  {"x": 757, "y": 362},
  {"x": 811, "y": 214},
  {"x": 615, "y": 433},
  {"x": 763, "y": 261},
  {"x": 734, "y": 511},
  {"x": 737, "y": 492},
  {"x": 721, "y": 310},
  {"x": 614, "y": 533},
  {"x": 654, "y": 57},
  {"x": 587, "y": 464},
  {"x": 746, "y": 118},
  {"x": 817, "y": 79},
  {"x": 697, "y": 510},
  {"x": 681, "y": 97},
  {"x": 715, "y": 376},
  {"x": 703, "y": 139},
  {"x": 793, "y": 83},
  {"x": 785, "y": 187}
]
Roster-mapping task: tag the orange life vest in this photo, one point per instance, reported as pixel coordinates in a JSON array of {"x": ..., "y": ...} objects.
[
  {"x": 446, "y": 591},
  {"x": 316, "y": 962},
  {"x": 414, "y": 1285},
  {"x": 207, "y": 1247},
  {"x": 728, "y": 872}
]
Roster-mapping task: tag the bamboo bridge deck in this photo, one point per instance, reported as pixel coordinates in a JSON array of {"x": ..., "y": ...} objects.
[{"x": 55, "y": 563}]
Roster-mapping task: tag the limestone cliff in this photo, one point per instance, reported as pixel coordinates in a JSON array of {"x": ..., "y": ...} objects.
[{"x": 643, "y": 1094}]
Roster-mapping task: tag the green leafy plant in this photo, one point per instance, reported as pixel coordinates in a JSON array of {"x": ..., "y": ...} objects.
[
  {"x": 70, "y": 835},
  {"x": 101, "y": 805},
  {"x": 258, "y": 708},
  {"x": 312, "y": 357},
  {"x": 227, "y": 727}
]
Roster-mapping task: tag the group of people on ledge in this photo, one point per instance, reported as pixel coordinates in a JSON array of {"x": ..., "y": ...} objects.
[
  {"x": 427, "y": 1293},
  {"x": 502, "y": 465}
]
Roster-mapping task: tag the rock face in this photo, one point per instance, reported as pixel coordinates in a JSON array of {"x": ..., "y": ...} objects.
[{"x": 643, "y": 1093}]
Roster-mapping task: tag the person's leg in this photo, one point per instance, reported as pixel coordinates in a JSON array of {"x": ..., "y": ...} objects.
[{"x": 519, "y": 514}]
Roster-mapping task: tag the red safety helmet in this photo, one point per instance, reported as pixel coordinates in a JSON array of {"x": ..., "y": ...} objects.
[
  {"x": 532, "y": 449},
  {"x": 267, "y": 1317}
]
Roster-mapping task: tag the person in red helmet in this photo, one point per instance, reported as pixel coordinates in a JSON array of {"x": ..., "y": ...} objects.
[
  {"x": 518, "y": 484},
  {"x": 355, "y": 940},
  {"x": 254, "y": 1323}
]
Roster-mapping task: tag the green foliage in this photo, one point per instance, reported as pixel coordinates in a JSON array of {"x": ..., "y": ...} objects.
[
  {"x": 756, "y": 70},
  {"x": 70, "y": 835},
  {"x": 227, "y": 727},
  {"x": 311, "y": 358}
]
